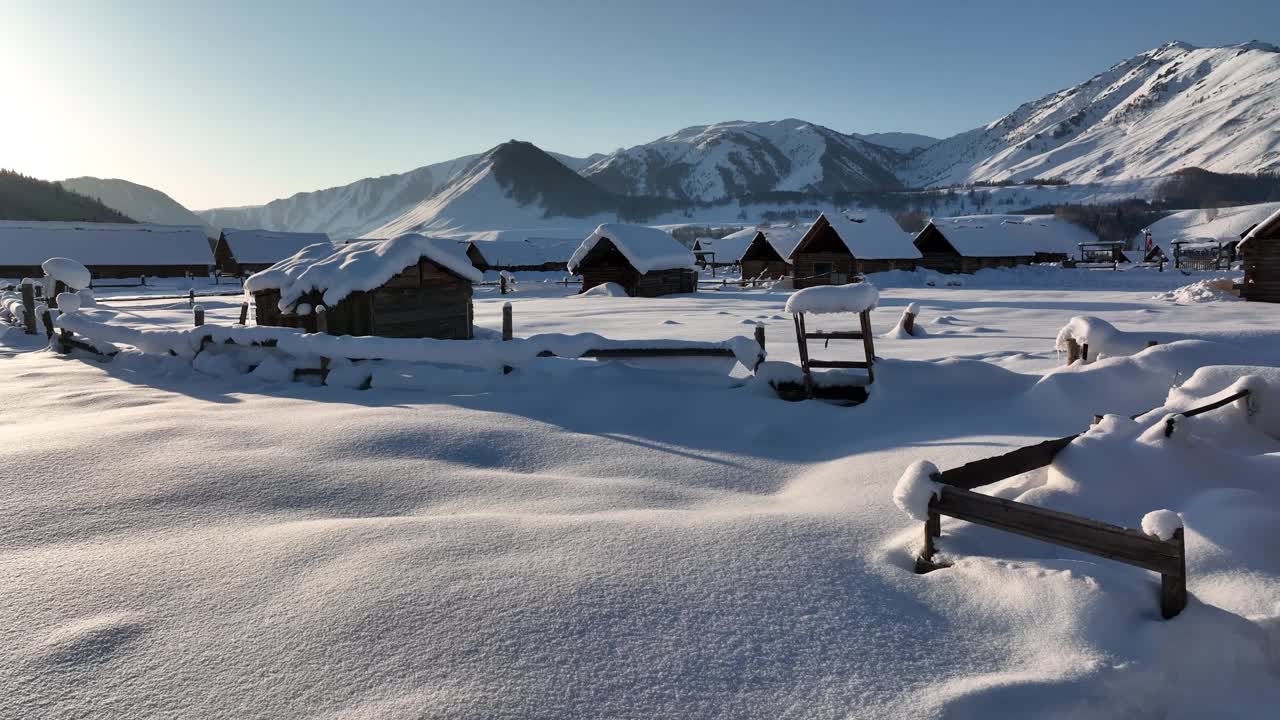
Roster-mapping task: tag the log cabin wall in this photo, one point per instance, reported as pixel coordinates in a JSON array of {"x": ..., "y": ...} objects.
[
  {"x": 823, "y": 268},
  {"x": 772, "y": 269},
  {"x": 666, "y": 282},
  {"x": 1261, "y": 257}
]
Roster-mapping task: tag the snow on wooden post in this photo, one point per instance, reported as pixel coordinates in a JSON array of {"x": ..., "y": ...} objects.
[
  {"x": 507, "y": 328},
  {"x": 244, "y": 312},
  {"x": 502, "y": 283},
  {"x": 909, "y": 320},
  {"x": 1173, "y": 588},
  {"x": 191, "y": 298},
  {"x": 29, "y": 306},
  {"x": 1152, "y": 343},
  {"x": 197, "y": 312},
  {"x": 322, "y": 320},
  {"x": 1073, "y": 350}
]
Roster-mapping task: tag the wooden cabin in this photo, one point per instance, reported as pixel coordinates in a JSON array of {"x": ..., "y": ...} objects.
[
  {"x": 528, "y": 255},
  {"x": 971, "y": 243},
  {"x": 766, "y": 256},
  {"x": 1260, "y": 250},
  {"x": 108, "y": 250},
  {"x": 644, "y": 261},
  {"x": 244, "y": 252},
  {"x": 836, "y": 249},
  {"x": 406, "y": 287}
]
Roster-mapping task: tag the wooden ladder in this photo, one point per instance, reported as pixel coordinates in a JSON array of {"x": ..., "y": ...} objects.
[{"x": 863, "y": 333}]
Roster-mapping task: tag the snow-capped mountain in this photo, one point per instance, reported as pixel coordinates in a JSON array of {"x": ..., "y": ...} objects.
[
  {"x": 1173, "y": 107},
  {"x": 139, "y": 202},
  {"x": 734, "y": 159},
  {"x": 515, "y": 186}
]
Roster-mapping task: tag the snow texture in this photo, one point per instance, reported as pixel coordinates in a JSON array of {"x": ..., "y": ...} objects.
[
  {"x": 1203, "y": 291},
  {"x": 825, "y": 299},
  {"x": 67, "y": 271},
  {"x": 916, "y": 488},
  {"x": 1161, "y": 524},
  {"x": 31, "y": 243},
  {"x": 646, "y": 248},
  {"x": 68, "y": 302}
]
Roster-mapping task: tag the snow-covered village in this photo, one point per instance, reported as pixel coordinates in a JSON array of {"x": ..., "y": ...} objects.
[{"x": 867, "y": 415}]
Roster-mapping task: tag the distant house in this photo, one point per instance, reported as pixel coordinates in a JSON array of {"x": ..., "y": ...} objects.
[
  {"x": 1104, "y": 252},
  {"x": 1260, "y": 250},
  {"x": 248, "y": 251},
  {"x": 528, "y": 255},
  {"x": 108, "y": 250},
  {"x": 723, "y": 252},
  {"x": 835, "y": 249},
  {"x": 766, "y": 256},
  {"x": 408, "y": 287},
  {"x": 645, "y": 261},
  {"x": 970, "y": 243}
]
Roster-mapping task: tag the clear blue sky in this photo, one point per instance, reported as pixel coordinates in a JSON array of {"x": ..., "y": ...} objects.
[{"x": 232, "y": 103}]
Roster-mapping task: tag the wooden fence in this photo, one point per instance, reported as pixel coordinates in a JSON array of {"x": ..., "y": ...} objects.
[{"x": 956, "y": 499}]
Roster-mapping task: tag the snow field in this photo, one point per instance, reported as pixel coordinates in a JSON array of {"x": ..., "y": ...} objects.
[{"x": 628, "y": 541}]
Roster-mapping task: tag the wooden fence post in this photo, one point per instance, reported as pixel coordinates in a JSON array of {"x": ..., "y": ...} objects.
[
  {"x": 909, "y": 321},
  {"x": 244, "y": 312},
  {"x": 1073, "y": 350},
  {"x": 191, "y": 298},
  {"x": 322, "y": 320},
  {"x": 507, "y": 326},
  {"x": 197, "y": 312},
  {"x": 502, "y": 283},
  {"x": 29, "y": 308},
  {"x": 1152, "y": 343},
  {"x": 1084, "y": 353},
  {"x": 1173, "y": 588},
  {"x": 760, "y": 337},
  {"x": 48, "y": 324}
]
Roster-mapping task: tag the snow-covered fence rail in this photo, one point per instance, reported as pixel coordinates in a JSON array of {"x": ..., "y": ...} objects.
[{"x": 951, "y": 493}]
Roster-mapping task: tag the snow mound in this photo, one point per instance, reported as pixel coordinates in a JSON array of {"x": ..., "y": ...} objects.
[
  {"x": 826, "y": 299},
  {"x": 647, "y": 249},
  {"x": 68, "y": 271},
  {"x": 609, "y": 289},
  {"x": 1161, "y": 523},
  {"x": 916, "y": 488},
  {"x": 1202, "y": 291},
  {"x": 68, "y": 302},
  {"x": 1103, "y": 339}
]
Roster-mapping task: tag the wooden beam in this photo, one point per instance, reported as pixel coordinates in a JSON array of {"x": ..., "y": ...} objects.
[
  {"x": 994, "y": 469},
  {"x": 852, "y": 364},
  {"x": 845, "y": 335}
]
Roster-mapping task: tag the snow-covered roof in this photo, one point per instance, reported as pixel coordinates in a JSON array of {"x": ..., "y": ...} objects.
[
  {"x": 1266, "y": 226},
  {"x": 357, "y": 266},
  {"x": 871, "y": 236},
  {"x": 728, "y": 249},
  {"x": 1012, "y": 235},
  {"x": 784, "y": 238},
  {"x": 268, "y": 246},
  {"x": 96, "y": 244},
  {"x": 534, "y": 251},
  {"x": 647, "y": 249}
]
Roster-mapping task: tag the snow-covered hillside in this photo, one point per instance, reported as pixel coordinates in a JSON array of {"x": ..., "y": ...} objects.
[
  {"x": 1173, "y": 107},
  {"x": 733, "y": 159},
  {"x": 139, "y": 202}
]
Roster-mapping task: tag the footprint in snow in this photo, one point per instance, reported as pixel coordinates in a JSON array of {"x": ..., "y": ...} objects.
[{"x": 672, "y": 322}]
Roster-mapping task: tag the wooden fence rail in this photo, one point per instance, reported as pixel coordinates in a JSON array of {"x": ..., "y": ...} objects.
[{"x": 957, "y": 499}]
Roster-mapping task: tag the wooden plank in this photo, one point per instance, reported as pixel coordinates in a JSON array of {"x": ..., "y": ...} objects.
[
  {"x": 659, "y": 352},
  {"x": 994, "y": 469},
  {"x": 1128, "y": 546},
  {"x": 849, "y": 364},
  {"x": 834, "y": 335}
]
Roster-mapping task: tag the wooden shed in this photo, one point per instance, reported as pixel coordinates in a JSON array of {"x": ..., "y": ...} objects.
[
  {"x": 407, "y": 287},
  {"x": 970, "y": 243},
  {"x": 836, "y": 248},
  {"x": 1260, "y": 251},
  {"x": 244, "y": 252},
  {"x": 108, "y": 250},
  {"x": 766, "y": 256},
  {"x": 645, "y": 261}
]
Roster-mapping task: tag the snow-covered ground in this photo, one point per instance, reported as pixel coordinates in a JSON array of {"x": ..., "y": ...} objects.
[{"x": 598, "y": 539}]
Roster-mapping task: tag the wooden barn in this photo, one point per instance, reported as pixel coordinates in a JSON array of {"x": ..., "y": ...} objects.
[
  {"x": 244, "y": 252},
  {"x": 1260, "y": 250},
  {"x": 108, "y": 250},
  {"x": 645, "y": 261},
  {"x": 766, "y": 256},
  {"x": 722, "y": 252},
  {"x": 407, "y": 287},
  {"x": 835, "y": 249},
  {"x": 527, "y": 255},
  {"x": 970, "y": 243}
]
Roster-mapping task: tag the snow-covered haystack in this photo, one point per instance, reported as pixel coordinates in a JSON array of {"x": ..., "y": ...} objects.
[
  {"x": 828, "y": 299},
  {"x": 67, "y": 271},
  {"x": 1202, "y": 291}
]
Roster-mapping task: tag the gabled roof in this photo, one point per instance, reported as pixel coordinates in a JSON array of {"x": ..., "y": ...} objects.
[
  {"x": 871, "y": 236},
  {"x": 267, "y": 246},
  {"x": 361, "y": 265},
  {"x": 647, "y": 249},
  {"x": 728, "y": 249},
  {"x": 103, "y": 244},
  {"x": 1011, "y": 235}
]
